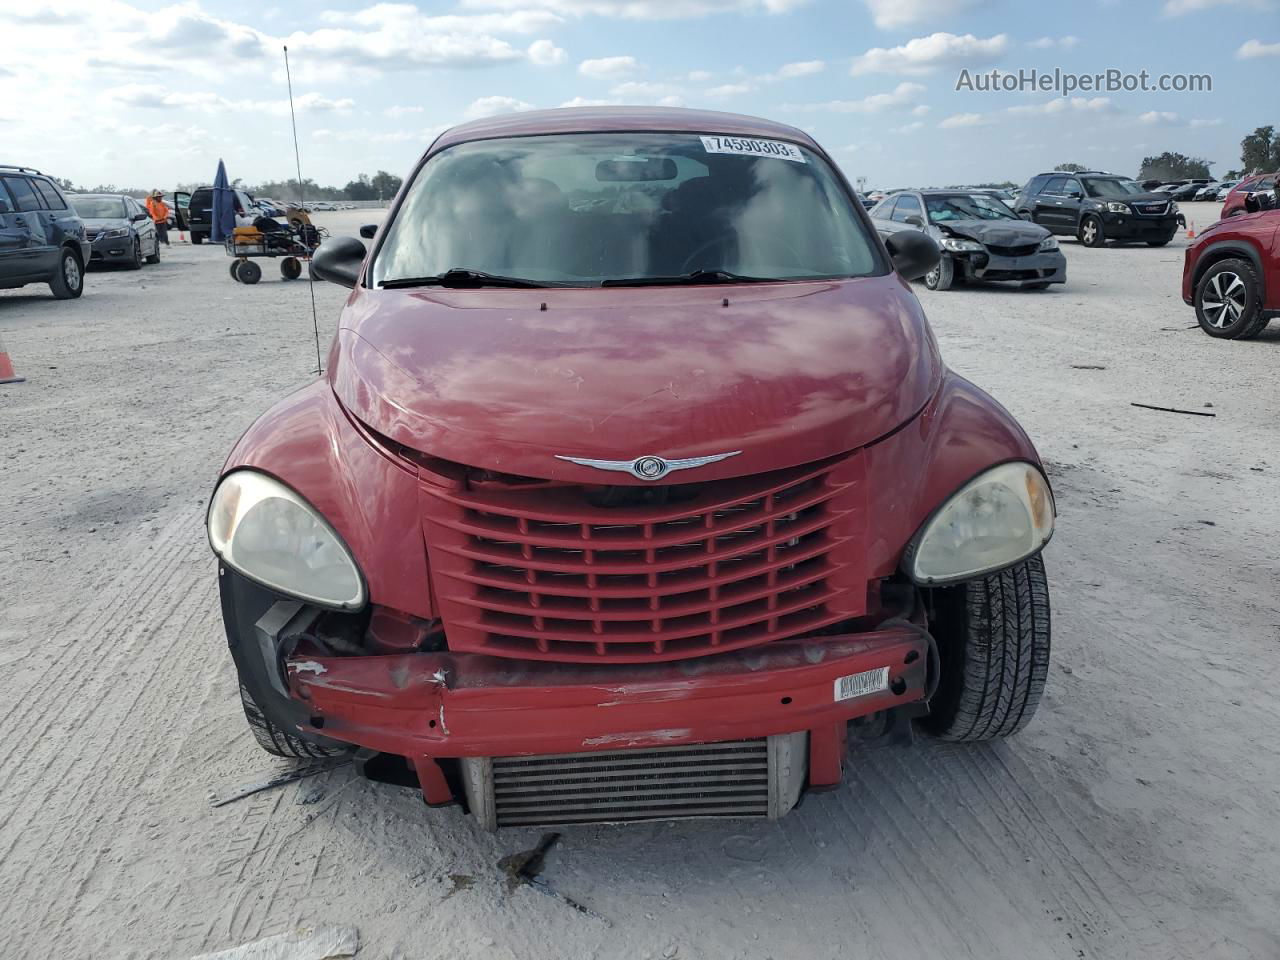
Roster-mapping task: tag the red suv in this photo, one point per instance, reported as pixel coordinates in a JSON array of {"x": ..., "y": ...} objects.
[
  {"x": 1231, "y": 273},
  {"x": 1233, "y": 206},
  {"x": 635, "y": 485}
]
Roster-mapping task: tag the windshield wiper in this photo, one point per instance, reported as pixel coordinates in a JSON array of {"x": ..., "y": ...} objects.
[
  {"x": 461, "y": 277},
  {"x": 696, "y": 277}
]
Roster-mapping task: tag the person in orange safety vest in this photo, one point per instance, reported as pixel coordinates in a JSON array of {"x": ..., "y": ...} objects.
[{"x": 159, "y": 211}]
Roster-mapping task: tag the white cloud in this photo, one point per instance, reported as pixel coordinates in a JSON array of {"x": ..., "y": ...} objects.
[
  {"x": 730, "y": 90},
  {"x": 609, "y": 68},
  {"x": 804, "y": 68},
  {"x": 665, "y": 94},
  {"x": 925, "y": 54},
  {"x": 908, "y": 127},
  {"x": 1049, "y": 43},
  {"x": 920, "y": 111},
  {"x": 903, "y": 95},
  {"x": 1066, "y": 104},
  {"x": 149, "y": 97},
  {"x": 398, "y": 111},
  {"x": 1167, "y": 118},
  {"x": 890, "y": 14},
  {"x": 641, "y": 9},
  {"x": 1176, "y": 8},
  {"x": 492, "y": 106},
  {"x": 588, "y": 102},
  {"x": 544, "y": 53},
  {"x": 957, "y": 120},
  {"x": 1252, "y": 49}
]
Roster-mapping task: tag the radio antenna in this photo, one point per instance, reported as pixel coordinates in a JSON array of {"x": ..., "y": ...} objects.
[{"x": 302, "y": 203}]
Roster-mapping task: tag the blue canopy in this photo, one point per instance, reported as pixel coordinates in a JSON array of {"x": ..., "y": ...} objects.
[{"x": 223, "y": 215}]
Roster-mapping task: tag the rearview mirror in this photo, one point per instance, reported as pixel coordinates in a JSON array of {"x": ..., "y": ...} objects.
[
  {"x": 339, "y": 261},
  {"x": 914, "y": 253},
  {"x": 914, "y": 221},
  {"x": 636, "y": 169},
  {"x": 369, "y": 231}
]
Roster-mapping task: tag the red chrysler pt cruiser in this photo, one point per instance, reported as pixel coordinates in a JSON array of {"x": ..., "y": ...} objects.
[{"x": 635, "y": 487}]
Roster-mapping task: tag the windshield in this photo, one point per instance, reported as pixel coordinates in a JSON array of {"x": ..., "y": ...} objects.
[
  {"x": 1112, "y": 188},
  {"x": 585, "y": 209},
  {"x": 99, "y": 208},
  {"x": 966, "y": 206}
]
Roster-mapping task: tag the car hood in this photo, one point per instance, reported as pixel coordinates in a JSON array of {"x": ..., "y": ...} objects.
[
  {"x": 998, "y": 233},
  {"x": 105, "y": 223},
  {"x": 785, "y": 373}
]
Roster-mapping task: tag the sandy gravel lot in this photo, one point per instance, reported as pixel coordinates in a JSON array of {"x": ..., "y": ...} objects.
[{"x": 1136, "y": 817}]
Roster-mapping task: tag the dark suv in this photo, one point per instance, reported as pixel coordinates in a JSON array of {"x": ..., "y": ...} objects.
[
  {"x": 1095, "y": 207},
  {"x": 200, "y": 211},
  {"x": 41, "y": 237}
]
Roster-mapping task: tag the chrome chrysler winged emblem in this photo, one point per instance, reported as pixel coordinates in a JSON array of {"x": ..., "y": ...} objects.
[{"x": 650, "y": 467}]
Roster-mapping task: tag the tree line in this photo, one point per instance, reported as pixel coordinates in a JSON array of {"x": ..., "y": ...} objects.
[
  {"x": 380, "y": 186},
  {"x": 1259, "y": 153}
]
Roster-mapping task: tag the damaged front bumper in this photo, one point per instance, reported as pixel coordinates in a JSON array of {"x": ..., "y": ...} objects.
[
  {"x": 1047, "y": 267},
  {"x": 739, "y": 733}
]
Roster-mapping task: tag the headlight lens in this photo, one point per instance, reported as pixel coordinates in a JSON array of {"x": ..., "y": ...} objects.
[
  {"x": 1115, "y": 207},
  {"x": 116, "y": 232},
  {"x": 1049, "y": 243},
  {"x": 264, "y": 530},
  {"x": 1000, "y": 517},
  {"x": 960, "y": 246}
]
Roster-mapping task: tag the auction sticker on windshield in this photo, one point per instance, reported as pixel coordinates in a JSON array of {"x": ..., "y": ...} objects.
[{"x": 753, "y": 148}]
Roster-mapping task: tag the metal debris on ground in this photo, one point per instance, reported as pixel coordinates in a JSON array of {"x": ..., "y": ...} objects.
[
  {"x": 525, "y": 867},
  {"x": 274, "y": 780},
  {"x": 1191, "y": 413},
  {"x": 304, "y": 943}
]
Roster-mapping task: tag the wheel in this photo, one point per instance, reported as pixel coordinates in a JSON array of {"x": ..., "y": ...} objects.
[
  {"x": 290, "y": 268},
  {"x": 1091, "y": 233},
  {"x": 1160, "y": 243},
  {"x": 155, "y": 256},
  {"x": 135, "y": 261},
  {"x": 197, "y": 237},
  {"x": 277, "y": 741},
  {"x": 1039, "y": 285},
  {"x": 993, "y": 641},
  {"x": 248, "y": 272},
  {"x": 68, "y": 282},
  {"x": 1228, "y": 302},
  {"x": 941, "y": 276}
]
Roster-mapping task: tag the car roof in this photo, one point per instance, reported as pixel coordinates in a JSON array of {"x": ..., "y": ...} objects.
[
  {"x": 619, "y": 120},
  {"x": 100, "y": 196}
]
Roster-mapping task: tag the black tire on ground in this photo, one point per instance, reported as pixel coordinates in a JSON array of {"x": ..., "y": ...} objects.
[
  {"x": 993, "y": 640},
  {"x": 155, "y": 257},
  {"x": 68, "y": 282},
  {"x": 1228, "y": 301},
  {"x": 290, "y": 268},
  {"x": 235, "y": 267},
  {"x": 941, "y": 276},
  {"x": 1040, "y": 285},
  {"x": 274, "y": 740},
  {"x": 1160, "y": 243},
  {"x": 197, "y": 237},
  {"x": 135, "y": 261},
  {"x": 248, "y": 272},
  {"x": 1091, "y": 232}
]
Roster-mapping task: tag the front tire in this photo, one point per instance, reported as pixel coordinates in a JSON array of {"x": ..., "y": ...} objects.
[
  {"x": 1161, "y": 242},
  {"x": 942, "y": 276},
  {"x": 197, "y": 238},
  {"x": 993, "y": 641},
  {"x": 155, "y": 256},
  {"x": 1228, "y": 301},
  {"x": 68, "y": 282},
  {"x": 1091, "y": 233},
  {"x": 276, "y": 741}
]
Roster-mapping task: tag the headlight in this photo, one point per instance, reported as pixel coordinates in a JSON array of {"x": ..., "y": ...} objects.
[
  {"x": 1049, "y": 243},
  {"x": 1114, "y": 207},
  {"x": 1173, "y": 208},
  {"x": 997, "y": 519},
  {"x": 116, "y": 232},
  {"x": 960, "y": 246},
  {"x": 262, "y": 529}
]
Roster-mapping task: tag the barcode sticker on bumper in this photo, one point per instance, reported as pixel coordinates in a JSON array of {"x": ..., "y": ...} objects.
[{"x": 860, "y": 684}]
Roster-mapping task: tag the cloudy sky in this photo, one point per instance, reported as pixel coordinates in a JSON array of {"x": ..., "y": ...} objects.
[{"x": 145, "y": 94}]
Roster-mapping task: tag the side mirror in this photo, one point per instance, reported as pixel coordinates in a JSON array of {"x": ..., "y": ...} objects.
[
  {"x": 914, "y": 221},
  {"x": 369, "y": 231},
  {"x": 139, "y": 217},
  {"x": 1074, "y": 194},
  {"x": 1252, "y": 203},
  {"x": 339, "y": 261},
  {"x": 914, "y": 253}
]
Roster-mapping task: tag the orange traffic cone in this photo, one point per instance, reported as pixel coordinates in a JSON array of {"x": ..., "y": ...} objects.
[
  {"x": 7, "y": 374},
  {"x": 1191, "y": 229}
]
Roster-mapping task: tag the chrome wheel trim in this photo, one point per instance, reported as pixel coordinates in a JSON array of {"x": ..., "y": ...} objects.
[
  {"x": 932, "y": 277},
  {"x": 1090, "y": 231},
  {"x": 1223, "y": 300},
  {"x": 71, "y": 271}
]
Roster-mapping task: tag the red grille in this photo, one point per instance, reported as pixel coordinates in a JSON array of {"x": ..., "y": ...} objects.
[{"x": 550, "y": 573}]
